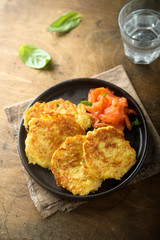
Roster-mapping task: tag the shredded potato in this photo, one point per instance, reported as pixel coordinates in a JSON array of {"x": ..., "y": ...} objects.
[{"x": 108, "y": 109}]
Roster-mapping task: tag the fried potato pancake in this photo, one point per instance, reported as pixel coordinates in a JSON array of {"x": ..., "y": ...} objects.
[
  {"x": 68, "y": 169},
  {"x": 58, "y": 106},
  {"x": 46, "y": 134},
  {"x": 107, "y": 154}
]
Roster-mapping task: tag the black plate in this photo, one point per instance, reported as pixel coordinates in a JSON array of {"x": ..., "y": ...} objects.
[{"x": 77, "y": 90}]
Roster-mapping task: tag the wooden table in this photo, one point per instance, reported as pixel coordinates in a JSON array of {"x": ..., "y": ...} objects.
[{"x": 93, "y": 47}]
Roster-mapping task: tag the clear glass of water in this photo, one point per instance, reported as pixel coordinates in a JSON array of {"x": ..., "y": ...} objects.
[{"x": 139, "y": 22}]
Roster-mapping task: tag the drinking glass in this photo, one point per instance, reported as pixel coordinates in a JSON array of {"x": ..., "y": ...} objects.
[{"x": 139, "y": 22}]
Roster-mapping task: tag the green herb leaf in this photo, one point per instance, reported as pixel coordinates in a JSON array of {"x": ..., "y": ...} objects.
[
  {"x": 33, "y": 57},
  {"x": 65, "y": 23},
  {"x": 136, "y": 123},
  {"x": 104, "y": 94},
  {"x": 87, "y": 103}
]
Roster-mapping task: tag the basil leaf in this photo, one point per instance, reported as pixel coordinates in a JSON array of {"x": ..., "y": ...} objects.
[
  {"x": 104, "y": 94},
  {"x": 136, "y": 123},
  {"x": 33, "y": 57},
  {"x": 87, "y": 103},
  {"x": 65, "y": 23}
]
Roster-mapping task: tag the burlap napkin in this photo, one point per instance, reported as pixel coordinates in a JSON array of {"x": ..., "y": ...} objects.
[{"x": 46, "y": 202}]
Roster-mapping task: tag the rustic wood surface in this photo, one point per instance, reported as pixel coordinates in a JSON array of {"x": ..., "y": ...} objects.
[{"x": 93, "y": 47}]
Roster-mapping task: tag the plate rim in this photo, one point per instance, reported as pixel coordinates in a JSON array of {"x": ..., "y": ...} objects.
[{"x": 96, "y": 195}]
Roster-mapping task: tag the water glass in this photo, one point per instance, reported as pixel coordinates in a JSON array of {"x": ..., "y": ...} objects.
[{"x": 139, "y": 22}]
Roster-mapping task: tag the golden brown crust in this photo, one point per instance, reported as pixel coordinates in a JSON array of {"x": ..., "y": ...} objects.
[
  {"x": 46, "y": 134},
  {"x": 38, "y": 108},
  {"x": 58, "y": 106},
  {"x": 68, "y": 169},
  {"x": 107, "y": 154}
]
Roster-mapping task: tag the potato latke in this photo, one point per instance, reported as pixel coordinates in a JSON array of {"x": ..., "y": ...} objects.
[
  {"x": 107, "y": 154},
  {"x": 46, "y": 134},
  {"x": 58, "y": 106},
  {"x": 68, "y": 169}
]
